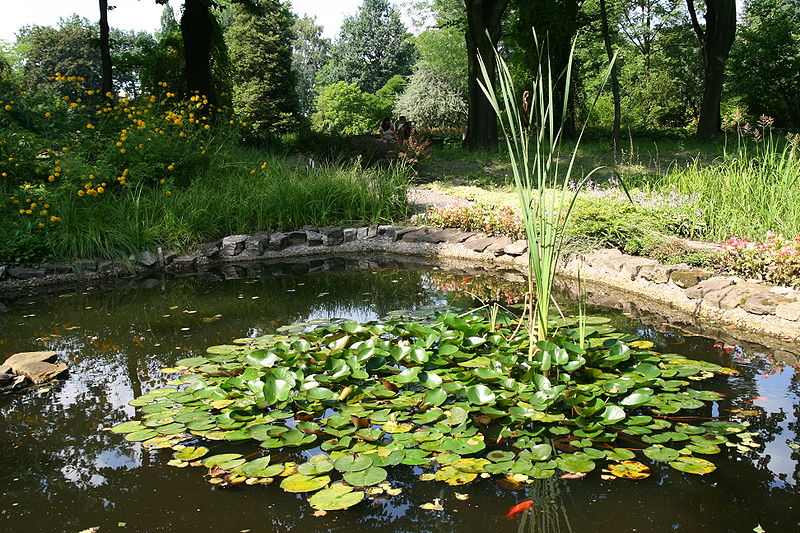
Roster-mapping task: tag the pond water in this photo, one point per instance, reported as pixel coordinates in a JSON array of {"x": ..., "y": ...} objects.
[{"x": 60, "y": 472}]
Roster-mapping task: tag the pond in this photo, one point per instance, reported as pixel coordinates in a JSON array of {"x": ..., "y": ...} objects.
[{"x": 61, "y": 472}]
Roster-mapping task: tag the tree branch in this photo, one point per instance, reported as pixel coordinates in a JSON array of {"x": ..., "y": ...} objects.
[{"x": 698, "y": 30}]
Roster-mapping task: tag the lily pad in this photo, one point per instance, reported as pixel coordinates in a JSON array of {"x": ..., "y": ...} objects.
[
  {"x": 190, "y": 453},
  {"x": 693, "y": 465},
  {"x": 304, "y": 483},
  {"x": 337, "y": 496},
  {"x": 353, "y": 463},
  {"x": 365, "y": 478},
  {"x": 630, "y": 470}
]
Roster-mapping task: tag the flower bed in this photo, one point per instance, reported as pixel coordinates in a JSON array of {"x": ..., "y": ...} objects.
[{"x": 776, "y": 260}]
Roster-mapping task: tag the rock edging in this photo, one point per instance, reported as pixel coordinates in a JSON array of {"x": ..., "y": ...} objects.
[{"x": 750, "y": 305}]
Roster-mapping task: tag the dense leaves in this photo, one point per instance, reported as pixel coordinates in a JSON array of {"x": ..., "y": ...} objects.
[{"x": 448, "y": 393}]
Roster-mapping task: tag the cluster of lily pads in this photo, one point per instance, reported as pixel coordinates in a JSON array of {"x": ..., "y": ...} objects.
[{"x": 329, "y": 407}]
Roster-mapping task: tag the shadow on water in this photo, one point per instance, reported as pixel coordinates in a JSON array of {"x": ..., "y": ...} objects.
[{"x": 60, "y": 472}]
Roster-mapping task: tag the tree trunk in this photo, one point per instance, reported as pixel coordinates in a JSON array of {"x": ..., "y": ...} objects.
[
  {"x": 615, "y": 135},
  {"x": 482, "y": 16},
  {"x": 196, "y": 31},
  {"x": 105, "y": 52},
  {"x": 715, "y": 43}
]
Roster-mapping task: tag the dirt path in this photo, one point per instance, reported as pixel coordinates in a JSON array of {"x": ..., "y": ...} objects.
[{"x": 421, "y": 198}]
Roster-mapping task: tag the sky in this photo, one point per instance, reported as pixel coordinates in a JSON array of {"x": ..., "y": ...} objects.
[{"x": 145, "y": 14}]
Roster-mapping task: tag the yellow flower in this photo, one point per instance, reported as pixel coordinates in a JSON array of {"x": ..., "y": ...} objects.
[
  {"x": 162, "y": 181},
  {"x": 21, "y": 211},
  {"x": 100, "y": 190},
  {"x": 168, "y": 193},
  {"x": 171, "y": 166},
  {"x": 51, "y": 178},
  {"x": 122, "y": 150},
  {"x": 253, "y": 171},
  {"x": 48, "y": 114},
  {"x": 64, "y": 148},
  {"x": 55, "y": 219},
  {"x": 8, "y": 107},
  {"x": 28, "y": 211},
  {"x": 40, "y": 225},
  {"x": 206, "y": 127}
]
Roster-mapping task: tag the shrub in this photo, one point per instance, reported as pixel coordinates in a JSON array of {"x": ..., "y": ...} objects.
[
  {"x": 490, "y": 219},
  {"x": 344, "y": 109},
  {"x": 776, "y": 259}
]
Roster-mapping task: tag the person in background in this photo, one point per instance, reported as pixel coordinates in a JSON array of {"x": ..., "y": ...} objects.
[
  {"x": 399, "y": 125},
  {"x": 386, "y": 130}
]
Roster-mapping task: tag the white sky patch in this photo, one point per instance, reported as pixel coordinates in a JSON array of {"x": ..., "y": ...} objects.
[{"x": 144, "y": 15}]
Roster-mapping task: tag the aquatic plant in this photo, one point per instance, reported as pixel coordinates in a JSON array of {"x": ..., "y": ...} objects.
[
  {"x": 329, "y": 408},
  {"x": 533, "y": 131}
]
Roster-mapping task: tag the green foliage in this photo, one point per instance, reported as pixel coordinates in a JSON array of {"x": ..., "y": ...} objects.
[
  {"x": 431, "y": 102},
  {"x": 765, "y": 60},
  {"x": 422, "y": 386},
  {"x": 344, "y": 109},
  {"x": 260, "y": 44},
  {"x": 309, "y": 53},
  {"x": 372, "y": 47},
  {"x": 750, "y": 191}
]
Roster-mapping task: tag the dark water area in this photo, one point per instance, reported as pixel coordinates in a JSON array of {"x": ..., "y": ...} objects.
[{"x": 60, "y": 472}]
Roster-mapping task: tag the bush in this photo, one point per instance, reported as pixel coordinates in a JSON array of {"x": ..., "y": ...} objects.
[
  {"x": 344, "y": 109},
  {"x": 776, "y": 259}
]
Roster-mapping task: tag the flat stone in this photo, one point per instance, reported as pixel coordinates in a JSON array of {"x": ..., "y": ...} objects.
[
  {"x": 313, "y": 237},
  {"x": 632, "y": 265},
  {"x": 610, "y": 260},
  {"x": 186, "y": 261},
  {"x": 148, "y": 259},
  {"x": 233, "y": 245},
  {"x": 3, "y": 271},
  {"x": 706, "y": 286},
  {"x": 660, "y": 273},
  {"x": 477, "y": 243},
  {"x": 516, "y": 248},
  {"x": 25, "y": 273},
  {"x": 763, "y": 303},
  {"x": 277, "y": 241},
  {"x": 388, "y": 230},
  {"x": 362, "y": 234},
  {"x": 55, "y": 268},
  {"x": 256, "y": 243},
  {"x": 39, "y": 372},
  {"x": 449, "y": 235},
  {"x": 688, "y": 278},
  {"x": 25, "y": 358},
  {"x": 235, "y": 272},
  {"x": 349, "y": 234},
  {"x": 84, "y": 265},
  {"x": 332, "y": 236},
  {"x": 737, "y": 295},
  {"x": 109, "y": 267},
  {"x": 417, "y": 236},
  {"x": 788, "y": 311},
  {"x": 211, "y": 249},
  {"x": 497, "y": 246},
  {"x": 395, "y": 233},
  {"x": 296, "y": 237}
]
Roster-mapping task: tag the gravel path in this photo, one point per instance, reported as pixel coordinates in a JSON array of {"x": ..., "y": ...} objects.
[{"x": 421, "y": 198}]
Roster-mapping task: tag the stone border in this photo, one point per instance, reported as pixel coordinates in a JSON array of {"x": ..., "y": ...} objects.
[{"x": 749, "y": 305}]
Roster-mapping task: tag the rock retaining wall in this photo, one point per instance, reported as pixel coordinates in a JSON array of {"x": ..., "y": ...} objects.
[{"x": 749, "y": 305}]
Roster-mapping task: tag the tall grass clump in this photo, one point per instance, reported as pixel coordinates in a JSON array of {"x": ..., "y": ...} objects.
[
  {"x": 230, "y": 200},
  {"x": 752, "y": 189},
  {"x": 533, "y": 132}
]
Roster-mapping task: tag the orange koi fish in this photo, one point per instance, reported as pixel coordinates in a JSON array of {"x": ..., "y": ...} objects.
[{"x": 520, "y": 507}]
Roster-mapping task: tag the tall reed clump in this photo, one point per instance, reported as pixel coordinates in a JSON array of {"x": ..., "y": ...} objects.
[
  {"x": 752, "y": 189},
  {"x": 534, "y": 133}
]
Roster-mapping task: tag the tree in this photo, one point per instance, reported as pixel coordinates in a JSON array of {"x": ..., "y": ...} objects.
[
  {"x": 344, "y": 109},
  {"x": 482, "y": 35},
  {"x": 260, "y": 47},
  {"x": 68, "y": 49},
  {"x": 430, "y": 101},
  {"x": 105, "y": 51},
  {"x": 310, "y": 51},
  {"x": 766, "y": 60},
  {"x": 615, "y": 134},
  {"x": 372, "y": 47},
  {"x": 715, "y": 40}
]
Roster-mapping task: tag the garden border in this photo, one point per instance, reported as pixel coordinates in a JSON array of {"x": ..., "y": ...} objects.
[{"x": 747, "y": 305}]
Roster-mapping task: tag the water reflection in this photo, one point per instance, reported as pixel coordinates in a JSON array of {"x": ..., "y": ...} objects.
[{"x": 116, "y": 339}]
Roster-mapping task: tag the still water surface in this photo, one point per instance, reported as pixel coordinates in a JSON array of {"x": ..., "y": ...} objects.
[{"x": 59, "y": 472}]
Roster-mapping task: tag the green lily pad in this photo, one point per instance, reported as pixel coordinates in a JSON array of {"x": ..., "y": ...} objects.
[
  {"x": 304, "y": 483},
  {"x": 337, "y": 496},
  {"x": 574, "y": 464},
  {"x": 453, "y": 476},
  {"x": 480, "y": 395},
  {"x": 499, "y": 456},
  {"x": 190, "y": 453},
  {"x": 128, "y": 427},
  {"x": 353, "y": 463},
  {"x": 693, "y": 465},
  {"x": 315, "y": 468},
  {"x": 141, "y": 435},
  {"x": 365, "y": 478},
  {"x": 221, "y": 459}
]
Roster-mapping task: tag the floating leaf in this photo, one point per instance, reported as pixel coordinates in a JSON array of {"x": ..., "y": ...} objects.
[
  {"x": 128, "y": 427},
  {"x": 629, "y": 470},
  {"x": 337, "y": 496},
  {"x": 693, "y": 465},
  {"x": 353, "y": 463},
  {"x": 190, "y": 453},
  {"x": 304, "y": 483},
  {"x": 365, "y": 478}
]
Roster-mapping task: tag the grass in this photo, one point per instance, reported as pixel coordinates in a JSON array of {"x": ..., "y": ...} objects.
[{"x": 227, "y": 200}]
